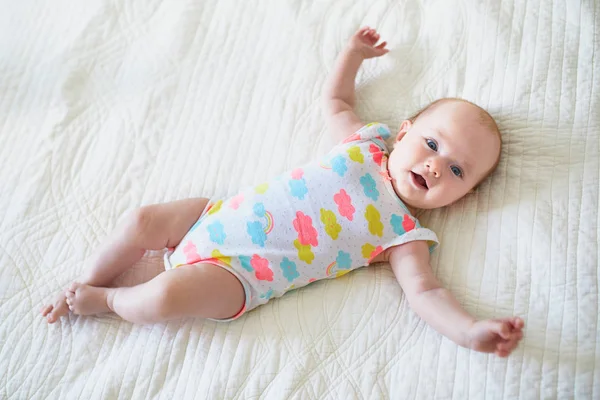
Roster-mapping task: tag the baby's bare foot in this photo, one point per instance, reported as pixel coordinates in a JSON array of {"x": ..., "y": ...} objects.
[
  {"x": 86, "y": 300},
  {"x": 56, "y": 309}
]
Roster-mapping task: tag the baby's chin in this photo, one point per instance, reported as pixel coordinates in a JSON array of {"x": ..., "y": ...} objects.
[
  {"x": 415, "y": 203},
  {"x": 428, "y": 204}
]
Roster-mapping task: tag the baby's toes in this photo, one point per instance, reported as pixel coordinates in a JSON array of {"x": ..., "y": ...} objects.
[
  {"x": 59, "y": 309},
  {"x": 70, "y": 298},
  {"x": 73, "y": 299},
  {"x": 45, "y": 310}
]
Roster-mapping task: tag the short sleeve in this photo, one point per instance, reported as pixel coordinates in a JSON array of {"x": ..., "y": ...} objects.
[{"x": 418, "y": 233}]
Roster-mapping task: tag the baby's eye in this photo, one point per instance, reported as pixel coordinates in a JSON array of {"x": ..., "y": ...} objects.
[
  {"x": 456, "y": 171},
  {"x": 432, "y": 144}
]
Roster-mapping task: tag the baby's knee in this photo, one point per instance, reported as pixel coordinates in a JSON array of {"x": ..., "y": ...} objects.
[{"x": 139, "y": 220}]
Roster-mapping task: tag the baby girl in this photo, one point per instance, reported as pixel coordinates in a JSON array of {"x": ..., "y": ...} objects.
[{"x": 353, "y": 208}]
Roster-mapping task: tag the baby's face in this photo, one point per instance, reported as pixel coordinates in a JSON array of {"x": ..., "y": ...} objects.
[{"x": 442, "y": 155}]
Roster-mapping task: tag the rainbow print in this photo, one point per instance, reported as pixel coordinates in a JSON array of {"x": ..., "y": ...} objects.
[
  {"x": 269, "y": 227},
  {"x": 330, "y": 268},
  {"x": 325, "y": 163}
]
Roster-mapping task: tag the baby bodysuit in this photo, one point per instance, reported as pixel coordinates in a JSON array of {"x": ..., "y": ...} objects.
[{"x": 319, "y": 221}]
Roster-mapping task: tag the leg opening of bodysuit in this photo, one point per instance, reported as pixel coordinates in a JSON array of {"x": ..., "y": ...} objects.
[{"x": 240, "y": 280}]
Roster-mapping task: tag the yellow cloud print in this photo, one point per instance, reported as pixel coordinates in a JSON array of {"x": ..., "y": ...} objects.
[
  {"x": 219, "y": 256},
  {"x": 342, "y": 272},
  {"x": 262, "y": 188},
  {"x": 216, "y": 207},
  {"x": 332, "y": 228},
  {"x": 367, "y": 249},
  {"x": 374, "y": 219},
  {"x": 355, "y": 154},
  {"x": 304, "y": 252}
]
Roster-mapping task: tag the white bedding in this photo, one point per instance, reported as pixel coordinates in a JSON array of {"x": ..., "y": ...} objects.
[{"x": 108, "y": 105}]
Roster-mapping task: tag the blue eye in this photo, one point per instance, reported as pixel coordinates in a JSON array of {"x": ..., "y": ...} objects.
[
  {"x": 432, "y": 145},
  {"x": 456, "y": 171}
]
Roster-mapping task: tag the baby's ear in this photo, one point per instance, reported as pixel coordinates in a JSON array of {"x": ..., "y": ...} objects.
[{"x": 404, "y": 127}]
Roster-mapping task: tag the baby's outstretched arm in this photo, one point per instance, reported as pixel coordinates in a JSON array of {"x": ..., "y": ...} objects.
[
  {"x": 440, "y": 309},
  {"x": 338, "y": 94}
]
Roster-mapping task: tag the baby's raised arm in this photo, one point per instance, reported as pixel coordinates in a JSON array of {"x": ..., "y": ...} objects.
[
  {"x": 440, "y": 309},
  {"x": 338, "y": 94}
]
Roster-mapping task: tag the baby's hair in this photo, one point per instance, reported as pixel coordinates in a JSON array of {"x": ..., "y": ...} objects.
[{"x": 484, "y": 119}]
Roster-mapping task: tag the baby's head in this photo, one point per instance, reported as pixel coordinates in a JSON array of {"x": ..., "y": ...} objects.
[{"x": 443, "y": 152}]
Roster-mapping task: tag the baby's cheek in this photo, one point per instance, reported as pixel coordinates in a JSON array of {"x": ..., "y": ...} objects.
[
  {"x": 448, "y": 194},
  {"x": 396, "y": 162}
]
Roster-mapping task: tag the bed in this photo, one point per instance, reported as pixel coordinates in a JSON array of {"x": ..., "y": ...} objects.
[{"x": 109, "y": 105}]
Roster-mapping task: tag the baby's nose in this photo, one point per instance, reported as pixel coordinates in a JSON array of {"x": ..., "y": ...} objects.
[{"x": 434, "y": 167}]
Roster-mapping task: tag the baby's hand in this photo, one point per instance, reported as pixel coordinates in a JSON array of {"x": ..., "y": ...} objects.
[
  {"x": 364, "y": 42},
  {"x": 499, "y": 336}
]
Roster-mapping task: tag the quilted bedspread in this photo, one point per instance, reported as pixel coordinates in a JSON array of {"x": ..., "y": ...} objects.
[{"x": 106, "y": 105}]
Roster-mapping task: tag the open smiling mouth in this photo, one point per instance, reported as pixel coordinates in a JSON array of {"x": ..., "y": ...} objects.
[{"x": 419, "y": 180}]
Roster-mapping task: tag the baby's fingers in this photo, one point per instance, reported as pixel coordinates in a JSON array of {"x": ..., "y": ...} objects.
[
  {"x": 517, "y": 322},
  {"x": 371, "y": 34},
  {"x": 503, "y": 349},
  {"x": 367, "y": 32},
  {"x": 500, "y": 328}
]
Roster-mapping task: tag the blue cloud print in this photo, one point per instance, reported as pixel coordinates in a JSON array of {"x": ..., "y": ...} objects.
[
  {"x": 396, "y": 222},
  {"x": 259, "y": 209},
  {"x": 267, "y": 295},
  {"x": 256, "y": 232},
  {"x": 289, "y": 269},
  {"x": 298, "y": 188},
  {"x": 245, "y": 261},
  {"x": 383, "y": 131},
  {"x": 217, "y": 234},
  {"x": 343, "y": 260},
  {"x": 369, "y": 186},
  {"x": 338, "y": 164}
]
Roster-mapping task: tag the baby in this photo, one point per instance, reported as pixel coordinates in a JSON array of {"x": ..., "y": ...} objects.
[{"x": 352, "y": 208}]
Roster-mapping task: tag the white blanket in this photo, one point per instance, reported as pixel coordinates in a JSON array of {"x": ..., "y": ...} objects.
[{"x": 108, "y": 105}]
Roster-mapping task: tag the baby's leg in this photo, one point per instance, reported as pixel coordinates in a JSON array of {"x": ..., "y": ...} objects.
[
  {"x": 148, "y": 228},
  {"x": 201, "y": 290}
]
